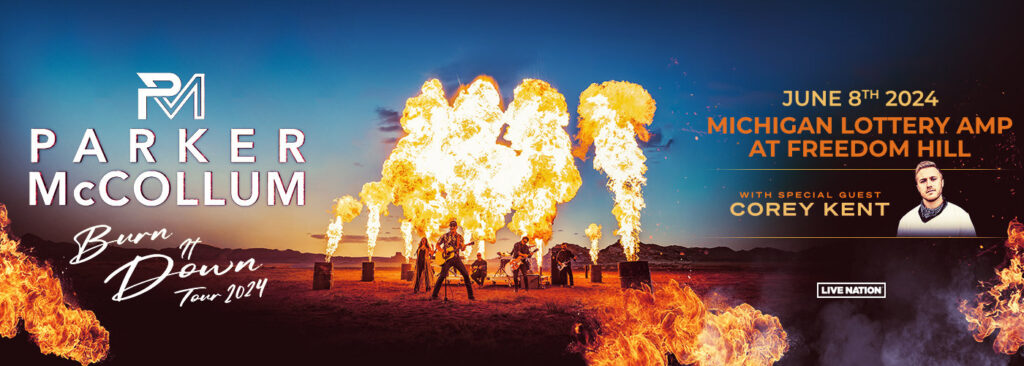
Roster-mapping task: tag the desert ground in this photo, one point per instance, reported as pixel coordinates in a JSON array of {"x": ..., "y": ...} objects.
[
  {"x": 383, "y": 323},
  {"x": 379, "y": 322}
]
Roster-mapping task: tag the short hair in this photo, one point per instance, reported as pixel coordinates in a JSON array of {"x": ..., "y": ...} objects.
[
  {"x": 925, "y": 164},
  {"x": 453, "y": 223}
]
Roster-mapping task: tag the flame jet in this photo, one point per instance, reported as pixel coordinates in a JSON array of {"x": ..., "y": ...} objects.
[
  {"x": 639, "y": 327},
  {"x": 407, "y": 235},
  {"x": 30, "y": 291},
  {"x": 611, "y": 114},
  {"x": 376, "y": 196},
  {"x": 594, "y": 233},
  {"x": 537, "y": 119},
  {"x": 345, "y": 209},
  {"x": 1001, "y": 305}
]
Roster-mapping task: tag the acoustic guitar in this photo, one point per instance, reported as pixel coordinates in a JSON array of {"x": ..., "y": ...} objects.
[{"x": 449, "y": 252}]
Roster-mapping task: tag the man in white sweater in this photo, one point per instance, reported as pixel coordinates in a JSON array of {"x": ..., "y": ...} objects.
[{"x": 934, "y": 216}]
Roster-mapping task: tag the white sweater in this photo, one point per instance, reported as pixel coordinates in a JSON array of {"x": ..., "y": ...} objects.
[{"x": 952, "y": 221}]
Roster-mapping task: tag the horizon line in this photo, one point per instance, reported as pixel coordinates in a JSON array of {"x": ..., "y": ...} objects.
[{"x": 857, "y": 169}]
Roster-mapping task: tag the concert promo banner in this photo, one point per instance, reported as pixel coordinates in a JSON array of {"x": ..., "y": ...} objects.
[{"x": 511, "y": 183}]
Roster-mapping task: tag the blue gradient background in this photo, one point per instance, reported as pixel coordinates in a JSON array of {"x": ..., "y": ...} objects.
[{"x": 326, "y": 68}]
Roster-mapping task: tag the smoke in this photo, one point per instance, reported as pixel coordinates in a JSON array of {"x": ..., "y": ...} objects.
[
  {"x": 917, "y": 324},
  {"x": 847, "y": 337}
]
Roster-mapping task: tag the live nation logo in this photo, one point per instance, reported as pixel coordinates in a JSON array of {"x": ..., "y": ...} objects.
[
  {"x": 195, "y": 90},
  {"x": 851, "y": 290}
]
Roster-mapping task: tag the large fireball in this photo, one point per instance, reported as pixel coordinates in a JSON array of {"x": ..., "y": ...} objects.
[
  {"x": 640, "y": 327},
  {"x": 1001, "y": 305},
  {"x": 30, "y": 291}
]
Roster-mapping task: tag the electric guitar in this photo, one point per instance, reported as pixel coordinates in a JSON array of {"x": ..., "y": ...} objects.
[
  {"x": 520, "y": 258},
  {"x": 562, "y": 265}
]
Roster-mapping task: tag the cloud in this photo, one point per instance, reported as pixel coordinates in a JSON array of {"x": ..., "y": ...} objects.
[
  {"x": 657, "y": 141},
  {"x": 358, "y": 238},
  {"x": 505, "y": 67},
  {"x": 388, "y": 120}
]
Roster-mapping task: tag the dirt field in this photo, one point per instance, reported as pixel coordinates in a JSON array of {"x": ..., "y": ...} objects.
[{"x": 381, "y": 322}]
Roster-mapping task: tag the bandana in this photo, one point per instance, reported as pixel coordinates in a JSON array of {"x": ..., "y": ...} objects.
[{"x": 930, "y": 213}]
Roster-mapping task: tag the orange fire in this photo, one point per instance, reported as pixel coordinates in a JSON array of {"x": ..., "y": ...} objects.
[
  {"x": 30, "y": 291},
  {"x": 594, "y": 233},
  {"x": 451, "y": 164},
  {"x": 1000, "y": 306},
  {"x": 376, "y": 196},
  {"x": 611, "y": 114},
  {"x": 537, "y": 119},
  {"x": 407, "y": 235},
  {"x": 344, "y": 209},
  {"x": 641, "y": 328},
  {"x": 447, "y": 165}
]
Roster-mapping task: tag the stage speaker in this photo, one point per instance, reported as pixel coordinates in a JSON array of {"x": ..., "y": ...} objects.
[
  {"x": 406, "y": 272},
  {"x": 533, "y": 280},
  {"x": 367, "y": 271},
  {"x": 635, "y": 275}
]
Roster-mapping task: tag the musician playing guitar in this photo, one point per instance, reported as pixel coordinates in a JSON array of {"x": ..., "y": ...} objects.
[
  {"x": 479, "y": 269},
  {"x": 452, "y": 242},
  {"x": 521, "y": 254},
  {"x": 564, "y": 258}
]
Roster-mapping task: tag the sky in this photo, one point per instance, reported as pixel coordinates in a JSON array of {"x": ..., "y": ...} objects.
[{"x": 340, "y": 72}]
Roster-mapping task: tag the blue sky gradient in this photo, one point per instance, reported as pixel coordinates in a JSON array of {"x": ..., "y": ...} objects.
[{"x": 328, "y": 67}]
